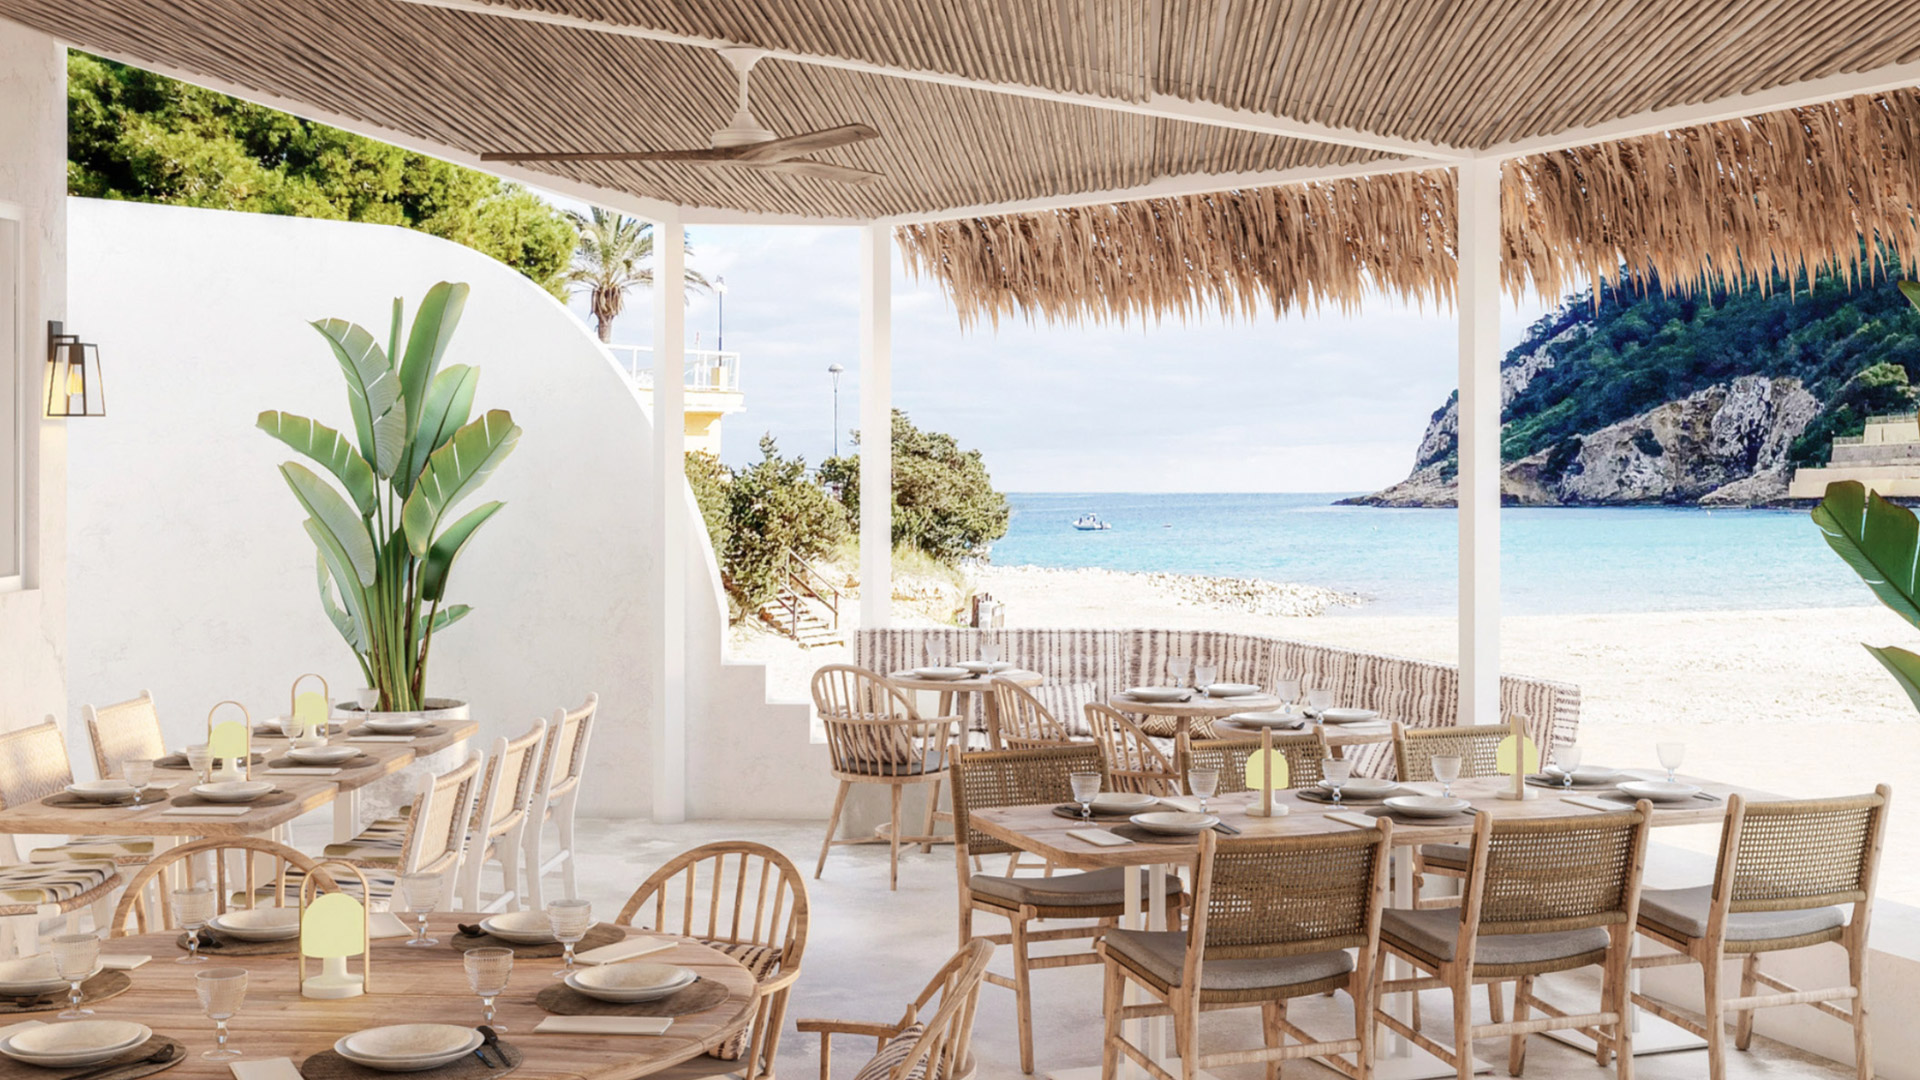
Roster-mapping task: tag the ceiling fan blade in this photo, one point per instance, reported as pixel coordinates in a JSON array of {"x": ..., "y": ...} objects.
[
  {"x": 812, "y": 142},
  {"x": 821, "y": 170},
  {"x": 613, "y": 155}
]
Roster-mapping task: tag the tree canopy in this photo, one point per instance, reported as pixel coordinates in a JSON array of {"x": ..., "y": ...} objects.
[
  {"x": 944, "y": 503},
  {"x": 132, "y": 134}
]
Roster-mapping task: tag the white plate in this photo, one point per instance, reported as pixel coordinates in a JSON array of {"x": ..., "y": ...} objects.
[
  {"x": 322, "y": 755},
  {"x": 31, "y": 975},
  {"x": 396, "y": 725},
  {"x": 939, "y": 673},
  {"x": 408, "y": 1047},
  {"x": 1425, "y": 806},
  {"x": 1123, "y": 802},
  {"x": 1586, "y": 775},
  {"x": 1158, "y": 693},
  {"x": 1347, "y": 716},
  {"x": 1231, "y": 689},
  {"x": 1175, "y": 822},
  {"x": 74, "y": 1042},
  {"x": 520, "y": 927},
  {"x": 1658, "y": 790},
  {"x": 631, "y": 982},
  {"x": 259, "y": 924},
  {"x": 1268, "y": 719},
  {"x": 102, "y": 791},
  {"x": 1364, "y": 787},
  {"x": 233, "y": 791},
  {"x": 982, "y": 667}
]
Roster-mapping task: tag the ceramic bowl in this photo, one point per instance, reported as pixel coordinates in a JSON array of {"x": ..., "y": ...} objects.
[
  {"x": 72, "y": 1043},
  {"x": 233, "y": 791},
  {"x": 259, "y": 924},
  {"x": 1175, "y": 822},
  {"x": 520, "y": 927},
  {"x": 1425, "y": 806},
  {"x": 631, "y": 982},
  {"x": 1158, "y": 693},
  {"x": 102, "y": 791},
  {"x": 408, "y": 1047},
  {"x": 1347, "y": 716},
  {"x": 1659, "y": 791},
  {"x": 1231, "y": 689},
  {"x": 322, "y": 755},
  {"x": 396, "y": 725},
  {"x": 1123, "y": 802}
]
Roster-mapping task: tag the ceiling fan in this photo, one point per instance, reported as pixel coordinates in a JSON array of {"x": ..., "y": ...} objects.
[{"x": 743, "y": 142}]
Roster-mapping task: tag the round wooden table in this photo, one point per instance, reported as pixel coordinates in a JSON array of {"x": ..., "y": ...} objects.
[
  {"x": 1197, "y": 707},
  {"x": 409, "y": 985},
  {"x": 1337, "y": 736},
  {"x": 955, "y": 694}
]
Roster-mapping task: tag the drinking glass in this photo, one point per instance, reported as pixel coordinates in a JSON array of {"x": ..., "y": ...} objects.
[
  {"x": 424, "y": 893},
  {"x": 1334, "y": 772},
  {"x": 1566, "y": 758},
  {"x": 192, "y": 907},
  {"x": 1288, "y": 690},
  {"x": 1446, "y": 770},
  {"x": 1672, "y": 754},
  {"x": 1085, "y": 786},
  {"x": 1319, "y": 699},
  {"x": 367, "y": 697},
  {"x": 1203, "y": 676},
  {"x": 487, "y": 973},
  {"x": 936, "y": 652},
  {"x": 198, "y": 759},
  {"x": 570, "y": 919},
  {"x": 76, "y": 957},
  {"x": 221, "y": 991},
  {"x": 1177, "y": 668},
  {"x": 1202, "y": 783},
  {"x": 139, "y": 773},
  {"x": 989, "y": 651}
]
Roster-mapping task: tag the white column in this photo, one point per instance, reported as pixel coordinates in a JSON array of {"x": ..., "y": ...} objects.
[
  {"x": 876, "y": 425},
  {"x": 1478, "y": 299},
  {"x": 670, "y": 523}
]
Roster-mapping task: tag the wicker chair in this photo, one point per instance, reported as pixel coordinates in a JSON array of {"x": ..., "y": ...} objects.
[
  {"x": 994, "y": 778},
  {"x": 876, "y": 736},
  {"x": 124, "y": 731},
  {"x": 1303, "y": 752},
  {"x": 429, "y": 839},
  {"x": 1273, "y": 919},
  {"x": 1024, "y": 722},
  {"x": 563, "y": 765},
  {"x": 500, "y": 818},
  {"x": 1543, "y": 895},
  {"x": 1414, "y": 749},
  {"x": 1135, "y": 763},
  {"x": 1786, "y": 871},
  {"x": 33, "y": 765},
  {"x": 921, "y": 1044},
  {"x": 750, "y": 902},
  {"x": 231, "y": 889}
]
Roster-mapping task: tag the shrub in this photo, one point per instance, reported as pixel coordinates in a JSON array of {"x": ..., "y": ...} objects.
[
  {"x": 944, "y": 503},
  {"x": 755, "y": 516}
]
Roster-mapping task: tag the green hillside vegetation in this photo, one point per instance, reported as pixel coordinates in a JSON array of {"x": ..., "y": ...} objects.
[{"x": 1855, "y": 347}]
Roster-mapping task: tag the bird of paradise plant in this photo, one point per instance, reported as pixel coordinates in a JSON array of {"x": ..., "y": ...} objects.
[{"x": 387, "y": 545}]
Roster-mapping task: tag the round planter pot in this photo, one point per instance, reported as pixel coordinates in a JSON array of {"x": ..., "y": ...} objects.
[
  {"x": 385, "y": 796},
  {"x": 438, "y": 708}
]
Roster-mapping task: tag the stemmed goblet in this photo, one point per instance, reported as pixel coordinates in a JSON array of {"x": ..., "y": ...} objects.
[
  {"x": 488, "y": 970},
  {"x": 423, "y": 893},
  {"x": 1446, "y": 769},
  {"x": 192, "y": 907},
  {"x": 221, "y": 991},
  {"x": 199, "y": 759},
  {"x": 1566, "y": 758},
  {"x": 1177, "y": 668},
  {"x": 936, "y": 652},
  {"x": 139, "y": 773},
  {"x": 1203, "y": 676},
  {"x": 570, "y": 919},
  {"x": 1202, "y": 784},
  {"x": 1672, "y": 754},
  {"x": 76, "y": 957},
  {"x": 1334, "y": 773},
  {"x": 1085, "y": 786}
]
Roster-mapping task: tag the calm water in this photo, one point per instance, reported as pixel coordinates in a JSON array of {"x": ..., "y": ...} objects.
[{"x": 1553, "y": 561}]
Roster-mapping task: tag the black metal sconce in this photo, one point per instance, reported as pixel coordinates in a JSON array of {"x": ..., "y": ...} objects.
[{"x": 74, "y": 384}]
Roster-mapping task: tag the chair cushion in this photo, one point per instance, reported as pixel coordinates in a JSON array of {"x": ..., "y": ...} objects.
[
  {"x": 1163, "y": 954},
  {"x": 760, "y": 962},
  {"x": 1447, "y": 856},
  {"x": 379, "y": 844},
  {"x": 1684, "y": 912},
  {"x": 882, "y": 1064},
  {"x": 1434, "y": 933},
  {"x": 53, "y": 883},
  {"x": 114, "y": 849},
  {"x": 1095, "y": 888}
]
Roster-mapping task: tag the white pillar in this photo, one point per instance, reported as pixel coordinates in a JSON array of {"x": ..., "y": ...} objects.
[
  {"x": 1478, "y": 299},
  {"x": 670, "y": 523},
  {"x": 876, "y": 425}
]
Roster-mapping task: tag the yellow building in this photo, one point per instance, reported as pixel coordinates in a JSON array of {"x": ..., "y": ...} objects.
[
  {"x": 713, "y": 389},
  {"x": 1886, "y": 458}
]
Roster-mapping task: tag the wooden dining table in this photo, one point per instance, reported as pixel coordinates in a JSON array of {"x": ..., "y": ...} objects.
[
  {"x": 1198, "y": 706},
  {"x": 1037, "y": 829},
  {"x": 956, "y": 694},
  {"x": 413, "y": 985}
]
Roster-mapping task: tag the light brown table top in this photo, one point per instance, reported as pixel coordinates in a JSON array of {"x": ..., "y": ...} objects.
[
  {"x": 972, "y": 684},
  {"x": 1199, "y": 705},
  {"x": 1334, "y": 734},
  {"x": 1037, "y": 829},
  {"x": 425, "y": 985},
  {"x": 310, "y": 794}
]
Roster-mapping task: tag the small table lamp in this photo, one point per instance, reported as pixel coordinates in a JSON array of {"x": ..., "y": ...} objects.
[
  {"x": 1516, "y": 756},
  {"x": 307, "y": 713},
  {"x": 333, "y": 928},
  {"x": 1267, "y": 770},
  {"x": 230, "y": 739}
]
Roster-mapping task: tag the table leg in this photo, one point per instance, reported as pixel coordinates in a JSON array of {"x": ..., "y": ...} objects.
[
  {"x": 1651, "y": 1035},
  {"x": 346, "y": 816},
  {"x": 990, "y": 708}
]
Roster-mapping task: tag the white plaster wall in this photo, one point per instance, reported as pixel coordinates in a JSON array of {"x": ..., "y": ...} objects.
[
  {"x": 33, "y": 175},
  {"x": 191, "y": 575}
]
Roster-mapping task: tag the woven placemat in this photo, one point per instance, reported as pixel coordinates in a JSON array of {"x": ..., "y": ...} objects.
[
  {"x": 1347, "y": 798},
  {"x": 275, "y": 732},
  {"x": 1397, "y": 818},
  {"x": 214, "y": 943},
  {"x": 427, "y": 732},
  {"x": 1109, "y": 815},
  {"x": 133, "y": 1063},
  {"x": 68, "y": 801},
  {"x": 327, "y": 1065},
  {"x": 358, "y": 761},
  {"x": 563, "y": 1000},
  {"x": 600, "y": 934},
  {"x": 1140, "y": 835},
  {"x": 105, "y": 985},
  {"x": 276, "y": 797},
  {"x": 179, "y": 761},
  {"x": 1585, "y": 788}
]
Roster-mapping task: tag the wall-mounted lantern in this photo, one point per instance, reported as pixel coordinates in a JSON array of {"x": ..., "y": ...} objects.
[{"x": 74, "y": 384}]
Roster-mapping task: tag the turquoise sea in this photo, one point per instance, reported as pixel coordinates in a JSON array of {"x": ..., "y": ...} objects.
[{"x": 1553, "y": 561}]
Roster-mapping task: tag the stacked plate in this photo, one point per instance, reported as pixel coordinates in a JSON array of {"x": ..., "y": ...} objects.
[
  {"x": 102, "y": 791},
  {"x": 1660, "y": 791},
  {"x": 258, "y": 924},
  {"x": 74, "y": 1043},
  {"x": 1122, "y": 802},
  {"x": 396, "y": 725},
  {"x": 1347, "y": 716},
  {"x": 1288, "y": 719},
  {"x": 520, "y": 927},
  {"x": 1426, "y": 806},
  {"x": 32, "y": 976},
  {"x": 233, "y": 791},
  {"x": 1585, "y": 775},
  {"x": 631, "y": 982},
  {"x": 322, "y": 755},
  {"x": 1231, "y": 689},
  {"x": 986, "y": 667},
  {"x": 1364, "y": 787},
  {"x": 1175, "y": 822},
  {"x": 1158, "y": 693},
  {"x": 940, "y": 672},
  {"x": 408, "y": 1047}
]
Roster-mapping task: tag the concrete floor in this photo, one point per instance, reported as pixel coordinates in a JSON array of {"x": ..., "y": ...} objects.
[{"x": 869, "y": 950}]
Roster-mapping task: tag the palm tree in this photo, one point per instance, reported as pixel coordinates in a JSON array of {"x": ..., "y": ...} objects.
[{"x": 614, "y": 258}]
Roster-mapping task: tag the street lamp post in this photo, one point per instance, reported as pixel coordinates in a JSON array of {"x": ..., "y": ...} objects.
[
  {"x": 720, "y": 298},
  {"x": 835, "y": 370}
]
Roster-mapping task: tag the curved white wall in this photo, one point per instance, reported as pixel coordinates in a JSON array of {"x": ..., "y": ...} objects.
[{"x": 189, "y": 572}]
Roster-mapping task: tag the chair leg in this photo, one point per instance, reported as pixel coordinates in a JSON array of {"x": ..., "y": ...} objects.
[
  {"x": 1186, "y": 1033},
  {"x": 1497, "y": 1002},
  {"x": 563, "y": 821},
  {"x": 1463, "y": 1027},
  {"x": 1022, "y": 990},
  {"x": 1110, "y": 1007},
  {"x": 1272, "y": 1014},
  {"x": 1516, "y": 1044},
  {"x": 893, "y": 839},
  {"x": 933, "y": 808},
  {"x": 776, "y": 1017},
  {"x": 833, "y": 826},
  {"x": 1743, "y": 1019},
  {"x": 1619, "y": 1001},
  {"x": 535, "y": 857},
  {"x": 1715, "y": 1019},
  {"x": 1862, "y": 1037}
]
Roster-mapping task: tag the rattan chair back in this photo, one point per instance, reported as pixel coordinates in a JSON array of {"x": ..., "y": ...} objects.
[
  {"x": 1304, "y": 752},
  {"x": 1288, "y": 895},
  {"x": 1546, "y": 875},
  {"x": 508, "y": 783},
  {"x": 872, "y": 726},
  {"x": 737, "y": 891},
  {"x": 265, "y": 870},
  {"x": 124, "y": 731},
  {"x": 437, "y": 829},
  {"x": 985, "y": 779},
  {"x": 1024, "y": 722},
  {"x": 33, "y": 764},
  {"x": 1802, "y": 853},
  {"x": 1134, "y": 763},
  {"x": 1476, "y": 745},
  {"x": 564, "y": 758}
]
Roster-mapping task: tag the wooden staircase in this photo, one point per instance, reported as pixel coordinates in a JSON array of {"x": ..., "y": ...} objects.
[{"x": 807, "y": 607}]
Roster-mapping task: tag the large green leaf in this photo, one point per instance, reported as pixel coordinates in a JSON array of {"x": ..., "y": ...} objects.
[
  {"x": 1880, "y": 540},
  {"x": 335, "y": 516},
  {"x": 449, "y": 402},
  {"x": 1905, "y": 667},
  {"x": 433, "y": 583},
  {"x": 433, "y": 327},
  {"x": 351, "y": 593},
  {"x": 455, "y": 471},
  {"x": 341, "y": 620},
  {"x": 328, "y": 447},
  {"x": 373, "y": 391},
  {"x": 442, "y": 619}
]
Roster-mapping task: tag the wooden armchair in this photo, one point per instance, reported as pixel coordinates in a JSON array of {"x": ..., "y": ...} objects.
[
  {"x": 1477, "y": 747},
  {"x": 236, "y": 878},
  {"x": 1135, "y": 763},
  {"x": 1024, "y": 722},
  {"x": 875, "y": 735},
  {"x": 929, "y": 1040}
]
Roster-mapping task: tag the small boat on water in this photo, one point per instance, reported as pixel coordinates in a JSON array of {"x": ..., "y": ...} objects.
[{"x": 1090, "y": 522}]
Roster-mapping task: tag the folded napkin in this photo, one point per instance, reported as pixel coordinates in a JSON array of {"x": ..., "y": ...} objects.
[
  {"x": 123, "y": 962},
  {"x": 1181, "y": 803},
  {"x": 264, "y": 1069},
  {"x": 643, "y": 945},
  {"x": 303, "y": 770},
  {"x": 604, "y": 1025},
  {"x": 1358, "y": 821},
  {"x": 205, "y": 811},
  {"x": 385, "y": 924},
  {"x": 381, "y": 738},
  {"x": 1595, "y": 802},
  {"x": 1098, "y": 837}
]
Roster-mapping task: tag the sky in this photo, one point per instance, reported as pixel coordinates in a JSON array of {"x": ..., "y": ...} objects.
[{"x": 1320, "y": 402}]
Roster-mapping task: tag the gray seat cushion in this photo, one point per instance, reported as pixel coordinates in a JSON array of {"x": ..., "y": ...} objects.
[
  {"x": 1435, "y": 933},
  {"x": 1684, "y": 911},
  {"x": 1095, "y": 888},
  {"x": 1452, "y": 856},
  {"x": 1163, "y": 954}
]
